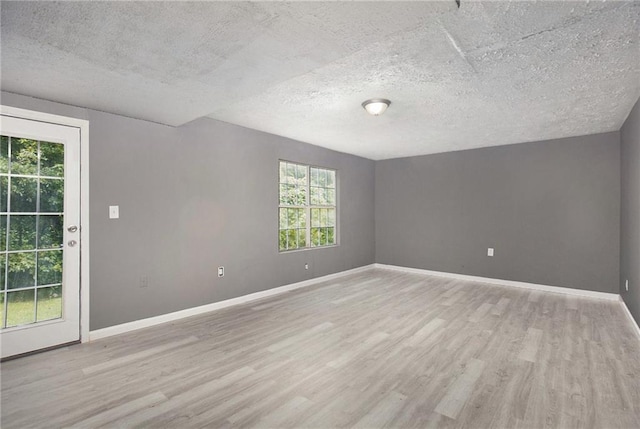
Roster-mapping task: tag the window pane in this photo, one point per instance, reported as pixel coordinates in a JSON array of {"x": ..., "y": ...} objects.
[
  {"x": 292, "y": 218},
  {"x": 24, "y": 156},
  {"x": 331, "y": 236},
  {"x": 302, "y": 238},
  {"x": 3, "y": 263},
  {"x": 283, "y": 239},
  {"x": 291, "y": 173},
  {"x": 50, "y": 230},
  {"x": 51, "y": 159},
  {"x": 49, "y": 303},
  {"x": 302, "y": 175},
  {"x": 292, "y": 196},
  {"x": 314, "y": 177},
  {"x": 22, "y": 233},
  {"x": 50, "y": 267},
  {"x": 283, "y": 194},
  {"x": 331, "y": 217},
  {"x": 302, "y": 218},
  {"x": 315, "y": 217},
  {"x": 323, "y": 236},
  {"x": 4, "y": 154},
  {"x": 322, "y": 199},
  {"x": 323, "y": 217},
  {"x": 52, "y": 195},
  {"x": 2, "y": 309},
  {"x": 292, "y": 239},
  {"x": 322, "y": 177},
  {"x": 283, "y": 172},
  {"x": 22, "y": 270},
  {"x": 331, "y": 179},
  {"x": 20, "y": 307},
  {"x": 23, "y": 194},
  {"x": 4, "y": 187},
  {"x": 3, "y": 234},
  {"x": 315, "y": 237},
  {"x": 301, "y": 195},
  {"x": 331, "y": 197},
  {"x": 313, "y": 197},
  {"x": 283, "y": 218}
]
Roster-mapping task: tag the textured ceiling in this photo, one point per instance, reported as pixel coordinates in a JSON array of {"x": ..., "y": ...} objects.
[{"x": 487, "y": 74}]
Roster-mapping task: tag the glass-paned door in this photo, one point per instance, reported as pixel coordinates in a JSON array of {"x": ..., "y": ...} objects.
[{"x": 39, "y": 235}]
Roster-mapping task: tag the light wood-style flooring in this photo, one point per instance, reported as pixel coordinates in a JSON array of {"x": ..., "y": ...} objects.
[{"x": 375, "y": 349}]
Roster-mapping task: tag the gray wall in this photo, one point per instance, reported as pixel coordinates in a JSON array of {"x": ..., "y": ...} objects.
[
  {"x": 550, "y": 209},
  {"x": 630, "y": 213},
  {"x": 196, "y": 197}
]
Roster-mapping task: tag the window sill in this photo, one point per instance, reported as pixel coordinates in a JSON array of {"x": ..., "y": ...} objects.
[{"x": 304, "y": 249}]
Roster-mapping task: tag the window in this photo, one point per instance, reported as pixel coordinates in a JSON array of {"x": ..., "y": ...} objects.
[{"x": 307, "y": 209}]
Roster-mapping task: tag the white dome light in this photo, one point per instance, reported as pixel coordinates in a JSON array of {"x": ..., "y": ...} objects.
[{"x": 376, "y": 106}]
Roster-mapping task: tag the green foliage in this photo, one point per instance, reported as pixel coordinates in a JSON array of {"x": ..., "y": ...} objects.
[
  {"x": 22, "y": 270},
  {"x": 50, "y": 267},
  {"x": 4, "y": 154},
  {"x": 24, "y": 156},
  {"x": 43, "y": 164},
  {"x": 51, "y": 159},
  {"x": 21, "y": 306}
]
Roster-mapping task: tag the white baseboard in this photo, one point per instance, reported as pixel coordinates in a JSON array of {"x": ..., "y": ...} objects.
[
  {"x": 156, "y": 320},
  {"x": 534, "y": 286},
  {"x": 633, "y": 321}
]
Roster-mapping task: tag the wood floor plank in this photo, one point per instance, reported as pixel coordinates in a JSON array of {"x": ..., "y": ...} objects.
[
  {"x": 480, "y": 312},
  {"x": 417, "y": 338},
  {"x": 530, "y": 346},
  {"x": 286, "y": 411},
  {"x": 458, "y": 394},
  {"x": 124, "y": 360},
  {"x": 346, "y": 357},
  {"x": 500, "y": 307},
  {"x": 384, "y": 411},
  {"x": 298, "y": 337},
  {"x": 121, "y": 411}
]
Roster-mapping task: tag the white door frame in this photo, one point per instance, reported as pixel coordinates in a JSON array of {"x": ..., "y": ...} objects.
[{"x": 83, "y": 126}]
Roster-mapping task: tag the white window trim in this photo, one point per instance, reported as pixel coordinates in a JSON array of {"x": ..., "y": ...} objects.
[{"x": 307, "y": 208}]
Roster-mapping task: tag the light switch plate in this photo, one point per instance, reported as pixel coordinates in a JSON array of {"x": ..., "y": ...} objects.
[
  {"x": 114, "y": 212},
  {"x": 490, "y": 251}
]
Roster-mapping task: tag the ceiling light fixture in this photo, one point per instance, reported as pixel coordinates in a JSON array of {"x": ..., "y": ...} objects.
[{"x": 376, "y": 106}]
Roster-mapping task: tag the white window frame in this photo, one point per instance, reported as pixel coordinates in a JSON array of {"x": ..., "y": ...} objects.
[{"x": 308, "y": 207}]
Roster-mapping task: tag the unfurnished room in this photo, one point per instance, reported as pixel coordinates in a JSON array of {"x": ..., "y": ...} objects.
[{"x": 385, "y": 214}]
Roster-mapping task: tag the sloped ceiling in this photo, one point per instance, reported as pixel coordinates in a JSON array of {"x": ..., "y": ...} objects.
[{"x": 489, "y": 73}]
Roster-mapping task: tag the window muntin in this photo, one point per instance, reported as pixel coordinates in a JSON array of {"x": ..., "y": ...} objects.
[{"x": 307, "y": 206}]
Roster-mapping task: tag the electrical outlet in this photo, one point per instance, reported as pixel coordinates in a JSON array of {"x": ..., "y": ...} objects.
[
  {"x": 306, "y": 266},
  {"x": 626, "y": 285},
  {"x": 114, "y": 212},
  {"x": 144, "y": 281},
  {"x": 490, "y": 251},
  {"x": 220, "y": 271}
]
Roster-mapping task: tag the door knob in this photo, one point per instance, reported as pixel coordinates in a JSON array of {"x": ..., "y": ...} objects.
[
  {"x": 72, "y": 243},
  {"x": 72, "y": 228}
]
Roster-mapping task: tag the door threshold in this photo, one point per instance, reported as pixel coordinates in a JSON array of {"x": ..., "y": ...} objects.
[{"x": 33, "y": 352}]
